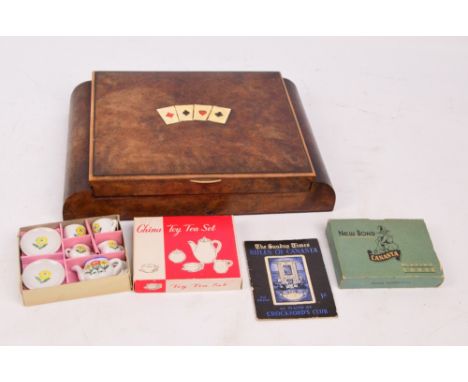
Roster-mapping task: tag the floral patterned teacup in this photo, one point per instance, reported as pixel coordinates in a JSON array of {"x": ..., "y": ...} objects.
[
  {"x": 105, "y": 225},
  {"x": 75, "y": 230}
]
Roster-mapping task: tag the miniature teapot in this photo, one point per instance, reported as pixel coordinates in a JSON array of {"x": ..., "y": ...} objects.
[
  {"x": 98, "y": 268},
  {"x": 206, "y": 250}
]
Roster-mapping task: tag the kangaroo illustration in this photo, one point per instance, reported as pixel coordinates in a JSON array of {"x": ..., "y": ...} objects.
[{"x": 384, "y": 241}]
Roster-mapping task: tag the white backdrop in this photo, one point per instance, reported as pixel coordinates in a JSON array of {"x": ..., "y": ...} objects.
[{"x": 390, "y": 117}]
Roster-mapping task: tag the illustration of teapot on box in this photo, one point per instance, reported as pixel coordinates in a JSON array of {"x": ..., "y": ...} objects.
[{"x": 206, "y": 250}]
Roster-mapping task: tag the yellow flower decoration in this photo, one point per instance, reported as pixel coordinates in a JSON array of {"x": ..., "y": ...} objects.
[
  {"x": 104, "y": 263},
  {"x": 113, "y": 244},
  {"x": 80, "y": 231},
  {"x": 80, "y": 249},
  {"x": 96, "y": 228},
  {"x": 44, "y": 276},
  {"x": 41, "y": 242}
]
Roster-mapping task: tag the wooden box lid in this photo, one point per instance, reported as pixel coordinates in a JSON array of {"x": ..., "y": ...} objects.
[{"x": 133, "y": 151}]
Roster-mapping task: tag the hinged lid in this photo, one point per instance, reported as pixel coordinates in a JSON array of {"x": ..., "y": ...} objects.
[{"x": 134, "y": 152}]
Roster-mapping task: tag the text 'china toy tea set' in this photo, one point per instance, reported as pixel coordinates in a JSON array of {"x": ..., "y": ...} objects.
[{"x": 175, "y": 152}]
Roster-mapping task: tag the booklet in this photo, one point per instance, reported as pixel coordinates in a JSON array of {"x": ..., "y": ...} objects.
[{"x": 289, "y": 279}]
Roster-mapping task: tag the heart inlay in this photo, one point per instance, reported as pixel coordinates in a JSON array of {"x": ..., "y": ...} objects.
[
  {"x": 202, "y": 112},
  {"x": 170, "y": 115}
]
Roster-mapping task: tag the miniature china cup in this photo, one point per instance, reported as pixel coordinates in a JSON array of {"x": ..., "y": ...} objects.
[
  {"x": 78, "y": 250},
  {"x": 105, "y": 225},
  {"x": 110, "y": 246},
  {"x": 75, "y": 230},
  {"x": 192, "y": 267},
  {"x": 222, "y": 266},
  {"x": 98, "y": 268}
]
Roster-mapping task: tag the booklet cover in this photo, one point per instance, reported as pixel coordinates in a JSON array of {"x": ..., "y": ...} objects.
[{"x": 289, "y": 279}]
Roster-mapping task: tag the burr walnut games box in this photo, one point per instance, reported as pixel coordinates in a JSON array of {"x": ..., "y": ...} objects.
[
  {"x": 193, "y": 143},
  {"x": 184, "y": 253}
]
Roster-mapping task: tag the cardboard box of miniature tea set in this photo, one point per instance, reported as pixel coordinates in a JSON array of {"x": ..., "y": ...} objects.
[
  {"x": 185, "y": 253},
  {"x": 72, "y": 259}
]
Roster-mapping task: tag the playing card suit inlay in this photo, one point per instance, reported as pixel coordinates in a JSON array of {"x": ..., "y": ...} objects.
[{"x": 196, "y": 112}]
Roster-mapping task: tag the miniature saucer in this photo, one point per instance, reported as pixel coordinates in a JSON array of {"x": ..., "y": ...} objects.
[
  {"x": 149, "y": 268},
  {"x": 153, "y": 286},
  {"x": 40, "y": 241},
  {"x": 193, "y": 267},
  {"x": 43, "y": 273}
]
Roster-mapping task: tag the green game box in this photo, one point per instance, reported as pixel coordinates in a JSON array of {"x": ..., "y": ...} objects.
[{"x": 383, "y": 254}]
